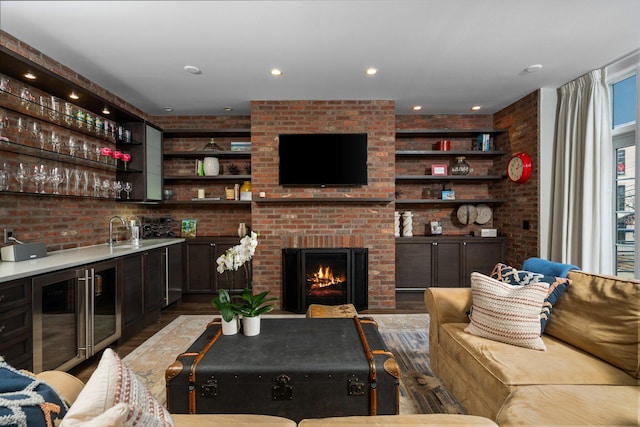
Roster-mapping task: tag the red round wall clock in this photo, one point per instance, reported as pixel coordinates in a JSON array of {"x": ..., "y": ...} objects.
[{"x": 519, "y": 168}]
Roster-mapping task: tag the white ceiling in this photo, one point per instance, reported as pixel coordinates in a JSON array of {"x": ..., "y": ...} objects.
[{"x": 445, "y": 55}]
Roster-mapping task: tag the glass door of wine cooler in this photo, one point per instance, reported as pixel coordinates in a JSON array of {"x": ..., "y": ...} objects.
[{"x": 76, "y": 313}]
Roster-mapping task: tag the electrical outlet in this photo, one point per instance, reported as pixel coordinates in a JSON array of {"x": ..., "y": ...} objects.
[{"x": 8, "y": 232}]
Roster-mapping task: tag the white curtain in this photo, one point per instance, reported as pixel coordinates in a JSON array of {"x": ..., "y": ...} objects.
[{"x": 582, "y": 230}]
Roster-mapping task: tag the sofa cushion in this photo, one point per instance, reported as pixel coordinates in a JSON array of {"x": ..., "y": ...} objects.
[
  {"x": 600, "y": 315},
  {"x": 507, "y": 313},
  {"x": 26, "y": 400},
  {"x": 571, "y": 405},
  {"x": 513, "y": 276},
  {"x": 231, "y": 420},
  {"x": 114, "y": 396},
  {"x": 415, "y": 420}
]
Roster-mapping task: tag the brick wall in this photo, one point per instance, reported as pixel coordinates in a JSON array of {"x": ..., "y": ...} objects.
[
  {"x": 318, "y": 223},
  {"x": 521, "y": 120}
]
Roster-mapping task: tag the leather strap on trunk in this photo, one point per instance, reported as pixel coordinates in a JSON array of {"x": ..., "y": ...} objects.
[
  {"x": 194, "y": 366},
  {"x": 373, "y": 374}
]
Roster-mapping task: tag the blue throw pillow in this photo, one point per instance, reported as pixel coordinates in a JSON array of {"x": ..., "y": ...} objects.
[
  {"x": 25, "y": 400},
  {"x": 513, "y": 276}
]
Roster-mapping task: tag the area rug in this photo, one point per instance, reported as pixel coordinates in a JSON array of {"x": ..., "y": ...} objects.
[{"x": 406, "y": 336}]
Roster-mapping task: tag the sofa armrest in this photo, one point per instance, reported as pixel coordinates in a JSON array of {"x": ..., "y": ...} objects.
[
  {"x": 445, "y": 305},
  {"x": 66, "y": 385}
]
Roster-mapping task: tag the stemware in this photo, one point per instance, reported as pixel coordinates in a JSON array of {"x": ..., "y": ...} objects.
[
  {"x": 72, "y": 145},
  {"x": 25, "y": 98},
  {"x": 44, "y": 106},
  {"x": 68, "y": 113},
  {"x": 4, "y": 176},
  {"x": 55, "y": 107},
  {"x": 127, "y": 189},
  {"x": 85, "y": 182},
  {"x": 55, "y": 142},
  {"x": 117, "y": 188},
  {"x": 76, "y": 182},
  {"x": 22, "y": 174},
  {"x": 56, "y": 178},
  {"x": 39, "y": 177},
  {"x": 106, "y": 188},
  {"x": 5, "y": 85},
  {"x": 97, "y": 183},
  {"x": 4, "y": 126},
  {"x": 84, "y": 147},
  {"x": 67, "y": 180}
]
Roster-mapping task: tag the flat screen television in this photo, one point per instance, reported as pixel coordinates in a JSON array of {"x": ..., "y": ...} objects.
[{"x": 323, "y": 159}]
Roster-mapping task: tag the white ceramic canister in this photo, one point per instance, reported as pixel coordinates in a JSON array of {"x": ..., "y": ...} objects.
[{"x": 211, "y": 166}]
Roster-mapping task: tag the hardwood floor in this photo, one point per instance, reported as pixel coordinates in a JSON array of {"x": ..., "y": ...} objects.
[{"x": 405, "y": 303}]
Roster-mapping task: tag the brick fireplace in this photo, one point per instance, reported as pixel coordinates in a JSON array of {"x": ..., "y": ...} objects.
[{"x": 324, "y": 217}]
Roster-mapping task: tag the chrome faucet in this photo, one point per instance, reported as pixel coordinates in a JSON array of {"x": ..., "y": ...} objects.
[{"x": 111, "y": 239}]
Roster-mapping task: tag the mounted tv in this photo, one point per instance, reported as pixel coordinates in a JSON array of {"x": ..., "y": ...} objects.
[{"x": 323, "y": 159}]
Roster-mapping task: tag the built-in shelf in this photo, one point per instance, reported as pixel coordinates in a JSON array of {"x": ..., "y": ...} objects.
[
  {"x": 205, "y": 133},
  {"x": 209, "y": 153},
  {"x": 246, "y": 203},
  {"x": 208, "y": 178},
  {"x": 457, "y": 153},
  {"x": 299, "y": 200},
  {"x": 452, "y": 133},
  {"x": 447, "y": 202},
  {"x": 425, "y": 178}
]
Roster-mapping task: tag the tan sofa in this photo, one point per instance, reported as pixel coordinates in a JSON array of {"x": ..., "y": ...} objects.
[
  {"x": 69, "y": 388},
  {"x": 588, "y": 374}
]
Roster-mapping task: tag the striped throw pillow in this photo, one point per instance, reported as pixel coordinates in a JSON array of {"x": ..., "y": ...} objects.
[{"x": 507, "y": 313}]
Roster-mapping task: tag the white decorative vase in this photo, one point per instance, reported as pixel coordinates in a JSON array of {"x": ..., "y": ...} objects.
[
  {"x": 396, "y": 223},
  {"x": 232, "y": 327},
  {"x": 407, "y": 224},
  {"x": 251, "y": 326},
  {"x": 211, "y": 166}
]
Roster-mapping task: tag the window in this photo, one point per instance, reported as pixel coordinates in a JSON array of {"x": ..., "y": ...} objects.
[{"x": 624, "y": 110}]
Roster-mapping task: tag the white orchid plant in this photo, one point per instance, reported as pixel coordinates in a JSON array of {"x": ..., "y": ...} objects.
[{"x": 239, "y": 256}]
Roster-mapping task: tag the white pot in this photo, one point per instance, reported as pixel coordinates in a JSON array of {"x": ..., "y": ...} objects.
[
  {"x": 251, "y": 326},
  {"x": 211, "y": 166},
  {"x": 232, "y": 327}
]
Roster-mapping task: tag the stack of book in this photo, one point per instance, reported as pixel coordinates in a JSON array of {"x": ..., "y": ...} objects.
[{"x": 240, "y": 146}]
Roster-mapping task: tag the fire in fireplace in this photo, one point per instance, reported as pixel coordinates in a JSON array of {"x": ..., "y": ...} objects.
[{"x": 324, "y": 276}]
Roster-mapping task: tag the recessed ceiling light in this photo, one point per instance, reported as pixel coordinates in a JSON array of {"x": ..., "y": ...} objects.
[
  {"x": 73, "y": 95},
  {"x": 228, "y": 109},
  {"x": 371, "y": 71},
  {"x": 476, "y": 108},
  {"x": 29, "y": 75},
  {"x": 167, "y": 109},
  {"x": 105, "y": 110},
  {"x": 192, "y": 69},
  {"x": 533, "y": 68},
  {"x": 276, "y": 72},
  {"x": 416, "y": 107}
]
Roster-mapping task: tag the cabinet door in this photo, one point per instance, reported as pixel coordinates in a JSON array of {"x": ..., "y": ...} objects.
[
  {"x": 413, "y": 265},
  {"x": 174, "y": 273},
  {"x": 153, "y": 163},
  {"x": 447, "y": 264},
  {"x": 481, "y": 256},
  {"x": 154, "y": 279},
  {"x": 132, "y": 302},
  {"x": 15, "y": 323},
  {"x": 199, "y": 267}
]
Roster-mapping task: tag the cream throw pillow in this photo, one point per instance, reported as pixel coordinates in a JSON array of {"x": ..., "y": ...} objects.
[
  {"x": 114, "y": 397},
  {"x": 507, "y": 313}
]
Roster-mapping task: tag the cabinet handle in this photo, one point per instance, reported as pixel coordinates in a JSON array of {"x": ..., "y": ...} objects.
[
  {"x": 2, "y": 328},
  {"x": 434, "y": 243},
  {"x": 1, "y": 297}
]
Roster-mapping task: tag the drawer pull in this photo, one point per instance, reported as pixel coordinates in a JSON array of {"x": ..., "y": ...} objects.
[
  {"x": 2, "y": 327},
  {"x": 1, "y": 297}
]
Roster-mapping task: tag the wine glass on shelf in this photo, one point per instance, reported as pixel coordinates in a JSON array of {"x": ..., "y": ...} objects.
[
  {"x": 85, "y": 182},
  {"x": 22, "y": 175},
  {"x": 127, "y": 187},
  {"x": 106, "y": 188},
  {"x": 67, "y": 180},
  {"x": 39, "y": 177},
  {"x": 4, "y": 126},
  {"x": 117, "y": 188},
  {"x": 5, "y": 85},
  {"x": 97, "y": 183},
  {"x": 72, "y": 145},
  {"x": 55, "y": 142},
  {"x": 25, "y": 98},
  {"x": 84, "y": 147},
  {"x": 56, "y": 178}
]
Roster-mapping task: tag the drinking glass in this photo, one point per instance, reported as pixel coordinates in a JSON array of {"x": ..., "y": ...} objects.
[
  {"x": 68, "y": 113},
  {"x": 22, "y": 124},
  {"x": 117, "y": 188},
  {"x": 39, "y": 177},
  {"x": 85, "y": 182},
  {"x": 84, "y": 147},
  {"x": 4, "y": 126},
  {"x": 97, "y": 183},
  {"x": 127, "y": 189},
  {"x": 22, "y": 174},
  {"x": 55, "y": 142},
  {"x": 72, "y": 145},
  {"x": 56, "y": 178},
  {"x": 55, "y": 108},
  {"x": 76, "y": 182},
  {"x": 44, "y": 106},
  {"x": 5, "y": 85},
  {"x": 25, "y": 98},
  {"x": 106, "y": 188},
  {"x": 4, "y": 177},
  {"x": 67, "y": 180}
]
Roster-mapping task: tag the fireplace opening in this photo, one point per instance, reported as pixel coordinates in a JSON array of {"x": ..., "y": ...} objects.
[{"x": 330, "y": 276}]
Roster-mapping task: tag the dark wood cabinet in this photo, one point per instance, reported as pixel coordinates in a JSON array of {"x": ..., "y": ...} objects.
[
  {"x": 445, "y": 261},
  {"x": 154, "y": 279},
  {"x": 201, "y": 275},
  {"x": 16, "y": 324},
  {"x": 132, "y": 298},
  {"x": 174, "y": 274}
]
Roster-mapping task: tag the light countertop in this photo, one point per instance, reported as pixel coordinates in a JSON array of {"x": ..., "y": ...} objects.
[{"x": 70, "y": 258}]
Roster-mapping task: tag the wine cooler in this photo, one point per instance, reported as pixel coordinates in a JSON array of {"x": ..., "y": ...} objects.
[{"x": 76, "y": 313}]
